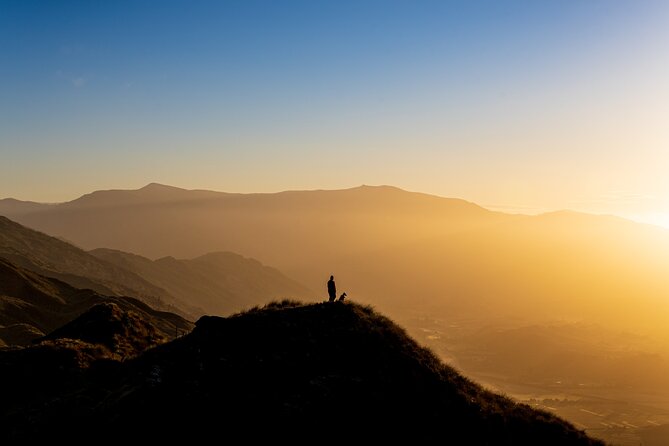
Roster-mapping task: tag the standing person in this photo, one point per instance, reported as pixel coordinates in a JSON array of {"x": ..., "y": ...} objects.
[{"x": 332, "y": 289}]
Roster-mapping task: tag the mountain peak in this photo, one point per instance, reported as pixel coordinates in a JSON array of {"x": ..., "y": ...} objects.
[{"x": 152, "y": 187}]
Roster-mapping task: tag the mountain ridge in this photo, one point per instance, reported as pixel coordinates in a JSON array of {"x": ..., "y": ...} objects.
[
  {"x": 16, "y": 206},
  {"x": 158, "y": 189}
]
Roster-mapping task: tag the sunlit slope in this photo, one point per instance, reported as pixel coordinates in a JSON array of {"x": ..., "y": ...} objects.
[{"x": 396, "y": 248}]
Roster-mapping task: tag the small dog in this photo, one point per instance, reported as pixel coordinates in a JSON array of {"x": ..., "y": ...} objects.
[{"x": 342, "y": 297}]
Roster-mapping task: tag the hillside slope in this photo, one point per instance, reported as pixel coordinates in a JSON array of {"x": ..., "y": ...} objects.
[
  {"x": 32, "y": 305},
  {"x": 220, "y": 283},
  {"x": 288, "y": 372},
  {"x": 52, "y": 257}
]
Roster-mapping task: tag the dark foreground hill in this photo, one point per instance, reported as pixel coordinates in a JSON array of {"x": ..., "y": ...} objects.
[
  {"x": 57, "y": 364},
  {"x": 285, "y": 373},
  {"x": 32, "y": 305}
]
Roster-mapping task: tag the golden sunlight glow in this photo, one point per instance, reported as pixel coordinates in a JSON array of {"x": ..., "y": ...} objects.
[{"x": 656, "y": 218}]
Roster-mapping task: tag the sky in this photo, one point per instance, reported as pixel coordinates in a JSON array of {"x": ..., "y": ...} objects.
[{"x": 519, "y": 106}]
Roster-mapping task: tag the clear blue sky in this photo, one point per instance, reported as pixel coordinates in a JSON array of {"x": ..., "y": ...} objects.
[{"x": 527, "y": 104}]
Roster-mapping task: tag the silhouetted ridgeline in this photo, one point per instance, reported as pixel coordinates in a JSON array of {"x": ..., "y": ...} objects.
[{"x": 286, "y": 372}]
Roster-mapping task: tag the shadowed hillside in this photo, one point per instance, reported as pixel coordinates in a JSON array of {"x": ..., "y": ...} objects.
[
  {"x": 32, "y": 305},
  {"x": 95, "y": 342},
  {"x": 215, "y": 283},
  {"x": 320, "y": 373},
  {"x": 55, "y": 258},
  {"x": 220, "y": 283},
  {"x": 123, "y": 333}
]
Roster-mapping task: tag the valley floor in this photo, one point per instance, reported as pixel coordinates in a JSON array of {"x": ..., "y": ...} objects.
[{"x": 619, "y": 416}]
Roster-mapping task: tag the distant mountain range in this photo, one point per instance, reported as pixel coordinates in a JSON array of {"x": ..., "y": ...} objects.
[
  {"x": 216, "y": 283},
  {"x": 287, "y": 372},
  {"x": 396, "y": 249}
]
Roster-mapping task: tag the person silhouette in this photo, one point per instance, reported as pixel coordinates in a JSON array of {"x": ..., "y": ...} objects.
[{"x": 332, "y": 289}]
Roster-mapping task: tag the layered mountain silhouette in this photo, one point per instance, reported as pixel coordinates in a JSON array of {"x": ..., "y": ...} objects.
[
  {"x": 285, "y": 372},
  {"x": 215, "y": 283},
  {"x": 392, "y": 248},
  {"x": 32, "y": 305},
  {"x": 13, "y": 206},
  {"x": 56, "y": 258},
  {"x": 219, "y": 283}
]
